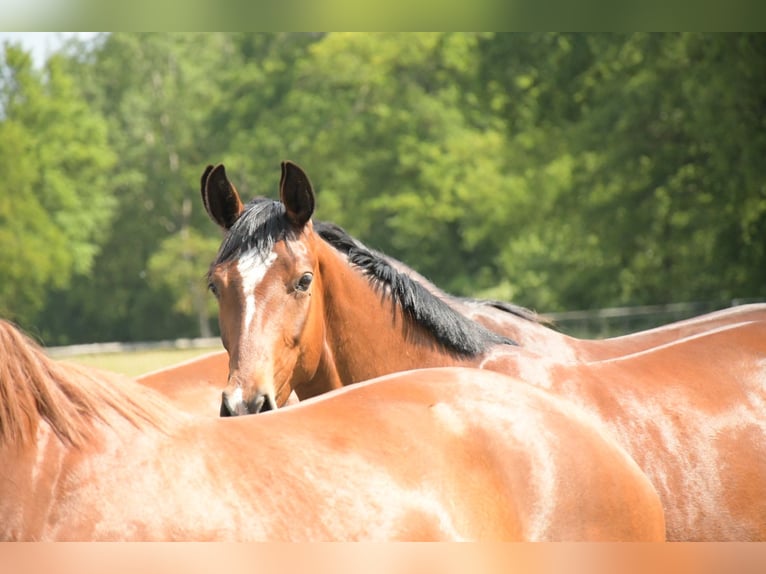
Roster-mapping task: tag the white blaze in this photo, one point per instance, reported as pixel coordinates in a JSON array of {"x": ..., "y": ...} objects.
[{"x": 252, "y": 268}]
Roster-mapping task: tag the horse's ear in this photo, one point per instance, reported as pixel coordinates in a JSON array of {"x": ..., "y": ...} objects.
[
  {"x": 220, "y": 197},
  {"x": 296, "y": 193}
]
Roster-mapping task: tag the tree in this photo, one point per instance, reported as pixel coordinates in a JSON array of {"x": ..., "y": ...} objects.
[
  {"x": 53, "y": 164},
  {"x": 157, "y": 91},
  {"x": 176, "y": 265},
  {"x": 656, "y": 183},
  {"x": 559, "y": 171}
]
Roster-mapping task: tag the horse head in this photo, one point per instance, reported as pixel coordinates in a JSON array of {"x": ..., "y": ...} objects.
[{"x": 264, "y": 277}]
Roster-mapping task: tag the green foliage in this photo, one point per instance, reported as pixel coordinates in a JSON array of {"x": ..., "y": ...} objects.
[
  {"x": 53, "y": 164},
  {"x": 557, "y": 170},
  {"x": 176, "y": 266},
  {"x": 157, "y": 91}
]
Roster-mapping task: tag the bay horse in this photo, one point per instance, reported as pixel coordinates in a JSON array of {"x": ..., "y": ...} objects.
[
  {"x": 299, "y": 314},
  {"x": 195, "y": 385},
  {"x": 444, "y": 454},
  {"x": 533, "y": 331}
]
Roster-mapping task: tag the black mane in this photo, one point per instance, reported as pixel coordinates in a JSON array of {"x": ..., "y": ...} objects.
[
  {"x": 451, "y": 329},
  {"x": 341, "y": 240},
  {"x": 264, "y": 222}
]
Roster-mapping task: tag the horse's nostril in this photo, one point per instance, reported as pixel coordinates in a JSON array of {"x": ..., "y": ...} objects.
[
  {"x": 263, "y": 402},
  {"x": 259, "y": 405},
  {"x": 233, "y": 405}
]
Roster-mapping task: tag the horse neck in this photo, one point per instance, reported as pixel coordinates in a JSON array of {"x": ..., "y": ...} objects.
[{"x": 366, "y": 334}]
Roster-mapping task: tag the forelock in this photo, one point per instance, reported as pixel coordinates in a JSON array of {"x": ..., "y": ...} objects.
[{"x": 262, "y": 223}]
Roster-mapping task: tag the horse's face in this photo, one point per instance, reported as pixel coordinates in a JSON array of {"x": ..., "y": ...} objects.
[
  {"x": 270, "y": 319},
  {"x": 268, "y": 325}
]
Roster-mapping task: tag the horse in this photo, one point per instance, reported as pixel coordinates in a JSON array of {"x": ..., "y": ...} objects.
[
  {"x": 405, "y": 457},
  {"x": 692, "y": 413},
  {"x": 534, "y": 331},
  {"x": 297, "y": 314},
  {"x": 195, "y": 384}
]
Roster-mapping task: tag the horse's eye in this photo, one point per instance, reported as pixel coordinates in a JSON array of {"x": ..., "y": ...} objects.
[
  {"x": 304, "y": 282},
  {"x": 213, "y": 289}
]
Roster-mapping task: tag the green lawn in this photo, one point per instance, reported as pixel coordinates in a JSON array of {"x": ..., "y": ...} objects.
[{"x": 138, "y": 362}]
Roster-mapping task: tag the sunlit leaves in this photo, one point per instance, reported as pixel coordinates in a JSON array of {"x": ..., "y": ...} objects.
[
  {"x": 561, "y": 171},
  {"x": 53, "y": 164}
]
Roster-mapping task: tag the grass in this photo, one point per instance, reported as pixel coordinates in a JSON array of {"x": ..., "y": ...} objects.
[{"x": 138, "y": 362}]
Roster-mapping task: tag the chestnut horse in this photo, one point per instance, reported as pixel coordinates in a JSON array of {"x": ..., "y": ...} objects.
[
  {"x": 445, "y": 454},
  {"x": 299, "y": 314}
]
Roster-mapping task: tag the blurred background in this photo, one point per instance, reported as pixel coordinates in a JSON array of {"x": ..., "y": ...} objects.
[{"x": 563, "y": 172}]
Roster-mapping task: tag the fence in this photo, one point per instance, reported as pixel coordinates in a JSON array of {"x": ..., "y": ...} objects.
[
  {"x": 596, "y": 323},
  {"x": 616, "y": 321},
  {"x": 103, "y": 348}
]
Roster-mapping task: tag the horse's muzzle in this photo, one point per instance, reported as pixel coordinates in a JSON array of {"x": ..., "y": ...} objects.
[{"x": 232, "y": 406}]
